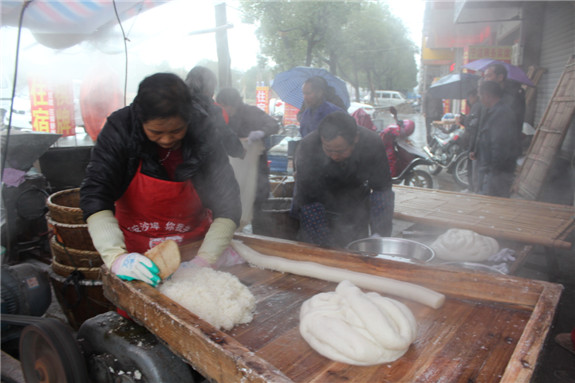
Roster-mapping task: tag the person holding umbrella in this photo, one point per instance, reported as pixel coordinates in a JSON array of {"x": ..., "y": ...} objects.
[
  {"x": 514, "y": 95},
  {"x": 497, "y": 146},
  {"x": 315, "y": 106}
]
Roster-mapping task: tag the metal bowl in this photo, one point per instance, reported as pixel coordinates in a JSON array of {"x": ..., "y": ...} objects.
[{"x": 399, "y": 249}]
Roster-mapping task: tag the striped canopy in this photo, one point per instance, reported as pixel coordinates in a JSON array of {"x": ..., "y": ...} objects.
[{"x": 74, "y": 18}]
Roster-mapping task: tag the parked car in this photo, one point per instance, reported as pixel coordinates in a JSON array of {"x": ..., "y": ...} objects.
[
  {"x": 386, "y": 98},
  {"x": 21, "y": 113},
  {"x": 358, "y": 105}
]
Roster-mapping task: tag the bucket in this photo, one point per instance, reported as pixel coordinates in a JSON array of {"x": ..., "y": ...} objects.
[
  {"x": 74, "y": 257},
  {"x": 274, "y": 220},
  {"x": 75, "y": 236},
  {"x": 64, "y": 207},
  {"x": 80, "y": 299},
  {"x": 282, "y": 187}
]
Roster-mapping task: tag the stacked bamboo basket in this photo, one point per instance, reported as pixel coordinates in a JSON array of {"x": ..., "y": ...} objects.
[{"x": 75, "y": 273}]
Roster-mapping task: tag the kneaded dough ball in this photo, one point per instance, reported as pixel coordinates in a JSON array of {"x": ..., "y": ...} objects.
[
  {"x": 357, "y": 328},
  {"x": 217, "y": 297},
  {"x": 464, "y": 245}
]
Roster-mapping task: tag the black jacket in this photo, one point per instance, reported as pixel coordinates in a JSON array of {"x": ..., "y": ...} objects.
[
  {"x": 497, "y": 143},
  {"x": 122, "y": 144}
]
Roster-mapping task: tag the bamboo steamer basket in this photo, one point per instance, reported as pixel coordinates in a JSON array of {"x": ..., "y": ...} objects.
[
  {"x": 92, "y": 273},
  {"x": 75, "y": 236},
  {"x": 79, "y": 300},
  {"x": 74, "y": 257},
  {"x": 64, "y": 206}
]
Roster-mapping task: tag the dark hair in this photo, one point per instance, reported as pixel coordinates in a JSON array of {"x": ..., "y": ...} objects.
[
  {"x": 491, "y": 88},
  {"x": 229, "y": 97},
  {"x": 499, "y": 69},
  {"x": 202, "y": 81},
  {"x": 318, "y": 83},
  {"x": 338, "y": 124},
  {"x": 163, "y": 95},
  {"x": 472, "y": 93}
]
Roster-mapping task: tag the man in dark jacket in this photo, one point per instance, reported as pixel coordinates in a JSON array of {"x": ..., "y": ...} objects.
[
  {"x": 497, "y": 146},
  {"x": 202, "y": 83},
  {"x": 513, "y": 94},
  {"x": 250, "y": 124},
  {"x": 343, "y": 184},
  {"x": 471, "y": 123}
]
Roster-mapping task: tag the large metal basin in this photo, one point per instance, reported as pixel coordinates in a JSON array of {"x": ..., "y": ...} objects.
[{"x": 399, "y": 249}]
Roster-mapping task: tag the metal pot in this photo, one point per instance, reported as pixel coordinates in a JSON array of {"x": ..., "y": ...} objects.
[{"x": 399, "y": 249}]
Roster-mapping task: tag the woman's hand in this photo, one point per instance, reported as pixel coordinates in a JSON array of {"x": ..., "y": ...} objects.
[{"x": 132, "y": 266}]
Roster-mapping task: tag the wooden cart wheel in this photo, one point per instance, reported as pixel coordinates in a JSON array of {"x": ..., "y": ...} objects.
[{"x": 49, "y": 353}]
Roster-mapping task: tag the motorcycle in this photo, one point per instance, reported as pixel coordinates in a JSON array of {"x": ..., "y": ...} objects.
[
  {"x": 446, "y": 150},
  {"x": 403, "y": 156}
]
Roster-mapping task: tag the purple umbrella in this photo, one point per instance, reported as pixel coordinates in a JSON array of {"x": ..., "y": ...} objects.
[{"x": 513, "y": 72}]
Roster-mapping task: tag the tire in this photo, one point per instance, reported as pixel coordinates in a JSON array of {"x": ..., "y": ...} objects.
[
  {"x": 460, "y": 170},
  {"x": 49, "y": 353},
  {"x": 419, "y": 178},
  {"x": 434, "y": 169}
]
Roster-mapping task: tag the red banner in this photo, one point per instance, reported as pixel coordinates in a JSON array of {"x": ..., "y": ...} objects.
[
  {"x": 290, "y": 115},
  {"x": 52, "y": 107},
  {"x": 263, "y": 98}
]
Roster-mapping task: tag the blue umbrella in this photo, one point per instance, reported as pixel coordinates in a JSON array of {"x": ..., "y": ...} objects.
[
  {"x": 288, "y": 84},
  {"x": 454, "y": 86}
]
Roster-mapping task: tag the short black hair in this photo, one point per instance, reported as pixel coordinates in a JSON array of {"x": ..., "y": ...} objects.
[
  {"x": 499, "y": 69},
  {"x": 229, "y": 97},
  {"x": 163, "y": 95},
  {"x": 338, "y": 124},
  {"x": 491, "y": 88},
  {"x": 318, "y": 83}
]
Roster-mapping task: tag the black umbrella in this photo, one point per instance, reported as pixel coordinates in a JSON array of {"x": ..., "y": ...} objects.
[{"x": 454, "y": 86}]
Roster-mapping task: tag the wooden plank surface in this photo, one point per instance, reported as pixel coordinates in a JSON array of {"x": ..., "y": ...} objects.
[
  {"x": 528, "y": 222},
  {"x": 491, "y": 328},
  {"x": 548, "y": 136}
]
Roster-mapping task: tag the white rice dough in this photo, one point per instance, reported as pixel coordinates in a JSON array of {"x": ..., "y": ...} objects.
[
  {"x": 217, "y": 297},
  {"x": 353, "y": 327},
  {"x": 464, "y": 245},
  {"x": 333, "y": 274}
]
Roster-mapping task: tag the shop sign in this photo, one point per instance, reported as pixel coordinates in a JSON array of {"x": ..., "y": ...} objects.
[
  {"x": 263, "y": 98},
  {"x": 52, "y": 107},
  {"x": 476, "y": 52}
]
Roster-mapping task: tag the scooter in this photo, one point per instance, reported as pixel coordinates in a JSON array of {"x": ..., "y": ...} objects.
[
  {"x": 403, "y": 156},
  {"x": 446, "y": 150}
]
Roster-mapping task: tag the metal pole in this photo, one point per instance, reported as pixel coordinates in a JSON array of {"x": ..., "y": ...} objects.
[{"x": 224, "y": 62}]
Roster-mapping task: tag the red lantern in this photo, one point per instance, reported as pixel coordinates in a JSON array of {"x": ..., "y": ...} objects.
[{"x": 100, "y": 95}]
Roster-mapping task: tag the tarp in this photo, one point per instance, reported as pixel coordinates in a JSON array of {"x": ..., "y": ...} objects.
[{"x": 63, "y": 23}]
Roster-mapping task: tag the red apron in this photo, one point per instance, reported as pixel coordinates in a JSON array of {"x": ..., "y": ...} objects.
[{"x": 153, "y": 210}]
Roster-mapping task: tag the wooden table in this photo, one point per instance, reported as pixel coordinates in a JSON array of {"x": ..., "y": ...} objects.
[
  {"x": 491, "y": 328},
  {"x": 528, "y": 222}
]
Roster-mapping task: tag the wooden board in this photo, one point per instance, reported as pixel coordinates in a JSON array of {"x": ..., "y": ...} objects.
[
  {"x": 491, "y": 328},
  {"x": 527, "y": 222},
  {"x": 549, "y": 136}
]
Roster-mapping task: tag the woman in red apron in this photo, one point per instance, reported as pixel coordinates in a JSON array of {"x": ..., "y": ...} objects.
[{"x": 157, "y": 173}]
